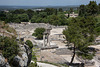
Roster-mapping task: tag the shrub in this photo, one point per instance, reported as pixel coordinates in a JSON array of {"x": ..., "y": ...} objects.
[
  {"x": 29, "y": 43},
  {"x": 39, "y": 33},
  {"x": 9, "y": 48},
  {"x": 33, "y": 65}
]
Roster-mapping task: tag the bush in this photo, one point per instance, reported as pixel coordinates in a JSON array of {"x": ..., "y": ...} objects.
[
  {"x": 29, "y": 43},
  {"x": 9, "y": 48},
  {"x": 33, "y": 65},
  {"x": 39, "y": 33}
]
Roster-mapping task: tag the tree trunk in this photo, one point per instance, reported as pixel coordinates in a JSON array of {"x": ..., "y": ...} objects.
[
  {"x": 68, "y": 44},
  {"x": 73, "y": 55}
]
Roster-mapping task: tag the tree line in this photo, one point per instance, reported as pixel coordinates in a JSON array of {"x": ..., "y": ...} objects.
[{"x": 48, "y": 15}]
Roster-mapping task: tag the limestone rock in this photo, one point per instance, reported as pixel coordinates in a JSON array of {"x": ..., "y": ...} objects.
[
  {"x": 3, "y": 63},
  {"x": 24, "y": 57}
]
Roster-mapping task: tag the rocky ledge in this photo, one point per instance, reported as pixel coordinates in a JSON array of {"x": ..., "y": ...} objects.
[{"x": 21, "y": 60}]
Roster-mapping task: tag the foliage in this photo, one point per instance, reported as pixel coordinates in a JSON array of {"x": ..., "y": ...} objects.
[
  {"x": 2, "y": 16},
  {"x": 30, "y": 13},
  {"x": 60, "y": 10},
  {"x": 9, "y": 48},
  {"x": 82, "y": 10},
  {"x": 44, "y": 16},
  {"x": 81, "y": 32},
  {"x": 23, "y": 17},
  {"x": 86, "y": 56},
  {"x": 33, "y": 58},
  {"x": 71, "y": 10},
  {"x": 29, "y": 43},
  {"x": 19, "y": 11},
  {"x": 34, "y": 50},
  {"x": 39, "y": 33},
  {"x": 91, "y": 9},
  {"x": 50, "y": 11},
  {"x": 33, "y": 65},
  {"x": 57, "y": 20}
]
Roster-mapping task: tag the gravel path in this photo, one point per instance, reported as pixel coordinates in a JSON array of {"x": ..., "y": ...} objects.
[{"x": 44, "y": 64}]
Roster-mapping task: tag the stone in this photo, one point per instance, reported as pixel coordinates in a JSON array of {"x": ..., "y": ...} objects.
[
  {"x": 24, "y": 57},
  {"x": 3, "y": 63}
]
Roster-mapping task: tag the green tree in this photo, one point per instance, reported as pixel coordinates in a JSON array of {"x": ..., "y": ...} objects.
[
  {"x": 19, "y": 11},
  {"x": 50, "y": 11},
  {"x": 99, "y": 8},
  {"x": 92, "y": 8},
  {"x": 2, "y": 16},
  {"x": 97, "y": 28},
  {"x": 16, "y": 19},
  {"x": 23, "y": 17},
  {"x": 82, "y": 10},
  {"x": 81, "y": 32},
  {"x": 60, "y": 10},
  {"x": 29, "y": 43},
  {"x": 39, "y": 33},
  {"x": 71, "y": 10},
  {"x": 42, "y": 15},
  {"x": 87, "y": 10},
  {"x": 30, "y": 13}
]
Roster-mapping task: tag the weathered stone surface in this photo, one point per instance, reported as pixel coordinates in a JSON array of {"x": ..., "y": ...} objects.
[
  {"x": 3, "y": 63},
  {"x": 86, "y": 62},
  {"x": 24, "y": 57},
  {"x": 63, "y": 51}
]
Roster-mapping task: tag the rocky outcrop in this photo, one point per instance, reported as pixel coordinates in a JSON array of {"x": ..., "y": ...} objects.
[
  {"x": 3, "y": 62},
  {"x": 24, "y": 57},
  {"x": 21, "y": 60}
]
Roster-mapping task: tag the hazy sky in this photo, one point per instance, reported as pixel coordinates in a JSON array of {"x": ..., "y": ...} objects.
[{"x": 44, "y": 2}]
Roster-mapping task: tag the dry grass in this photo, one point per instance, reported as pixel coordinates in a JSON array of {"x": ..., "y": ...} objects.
[{"x": 6, "y": 27}]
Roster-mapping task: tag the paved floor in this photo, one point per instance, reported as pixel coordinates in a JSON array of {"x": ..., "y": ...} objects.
[{"x": 47, "y": 55}]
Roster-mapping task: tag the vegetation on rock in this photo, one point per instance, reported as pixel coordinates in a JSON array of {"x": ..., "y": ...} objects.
[
  {"x": 9, "y": 48},
  {"x": 29, "y": 43}
]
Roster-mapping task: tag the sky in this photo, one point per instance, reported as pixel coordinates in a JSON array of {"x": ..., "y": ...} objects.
[{"x": 44, "y": 2}]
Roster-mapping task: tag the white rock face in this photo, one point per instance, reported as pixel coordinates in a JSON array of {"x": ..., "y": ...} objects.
[
  {"x": 3, "y": 63},
  {"x": 22, "y": 59}
]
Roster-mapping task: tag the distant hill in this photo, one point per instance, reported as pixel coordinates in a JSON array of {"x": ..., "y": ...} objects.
[{"x": 35, "y": 7}]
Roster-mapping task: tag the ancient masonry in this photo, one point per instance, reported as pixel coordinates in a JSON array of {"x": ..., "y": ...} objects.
[{"x": 46, "y": 37}]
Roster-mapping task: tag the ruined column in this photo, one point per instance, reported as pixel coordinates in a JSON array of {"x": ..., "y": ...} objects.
[
  {"x": 44, "y": 40},
  {"x": 47, "y": 37},
  {"x": 48, "y": 40}
]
